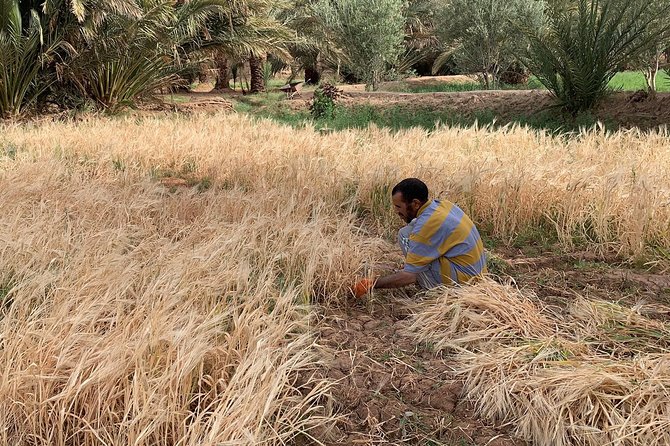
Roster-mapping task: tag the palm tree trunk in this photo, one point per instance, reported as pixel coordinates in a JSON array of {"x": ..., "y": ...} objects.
[
  {"x": 650, "y": 75},
  {"x": 312, "y": 75},
  {"x": 203, "y": 71},
  {"x": 313, "y": 71},
  {"x": 222, "y": 73},
  {"x": 256, "y": 69}
]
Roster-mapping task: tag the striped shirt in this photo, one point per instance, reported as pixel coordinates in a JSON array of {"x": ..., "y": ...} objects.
[{"x": 443, "y": 232}]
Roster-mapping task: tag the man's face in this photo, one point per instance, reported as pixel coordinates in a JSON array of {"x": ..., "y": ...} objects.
[{"x": 406, "y": 211}]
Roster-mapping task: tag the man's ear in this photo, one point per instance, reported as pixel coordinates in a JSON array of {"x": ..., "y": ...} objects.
[{"x": 417, "y": 204}]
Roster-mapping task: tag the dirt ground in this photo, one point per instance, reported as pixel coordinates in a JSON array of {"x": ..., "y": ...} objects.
[
  {"x": 394, "y": 390},
  {"x": 623, "y": 108},
  {"x": 556, "y": 278},
  {"x": 391, "y": 389},
  {"x": 627, "y": 109}
]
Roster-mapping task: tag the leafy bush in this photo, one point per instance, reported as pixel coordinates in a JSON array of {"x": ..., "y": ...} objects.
[{"x": 323, "y": 104}]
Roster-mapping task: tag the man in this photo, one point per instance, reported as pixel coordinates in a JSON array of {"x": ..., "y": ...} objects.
[{"x": 440, "y": 243}]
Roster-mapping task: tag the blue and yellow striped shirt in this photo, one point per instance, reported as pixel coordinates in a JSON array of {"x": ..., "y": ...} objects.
[{"x": 443, "y": 232}]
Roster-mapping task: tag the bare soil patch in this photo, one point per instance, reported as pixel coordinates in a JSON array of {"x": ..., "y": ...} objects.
[
  {"x": 393, "y": 389},
  {"x": 415, "y": 81},
  {"x": 621, "y": 108},
  {"x": 557, "y": 279}
]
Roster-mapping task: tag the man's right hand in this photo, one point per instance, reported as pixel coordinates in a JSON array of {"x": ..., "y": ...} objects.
[{"x": 362, "y": 287}]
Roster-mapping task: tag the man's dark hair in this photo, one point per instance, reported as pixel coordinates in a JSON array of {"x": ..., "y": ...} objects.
[{"x": 411, "y": 188}]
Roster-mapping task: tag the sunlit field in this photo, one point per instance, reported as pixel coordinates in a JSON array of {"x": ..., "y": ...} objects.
[{"x": 159, "y": 277}]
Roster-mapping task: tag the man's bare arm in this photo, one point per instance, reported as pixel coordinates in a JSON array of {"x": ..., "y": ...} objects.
[{"x": 396, "y": 280}]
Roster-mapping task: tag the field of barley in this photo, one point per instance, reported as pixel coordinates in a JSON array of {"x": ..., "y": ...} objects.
[{"x": 159, "y": 278}]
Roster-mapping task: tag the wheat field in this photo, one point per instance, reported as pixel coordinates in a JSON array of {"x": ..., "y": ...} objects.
[{"x": 156, "y": 274}]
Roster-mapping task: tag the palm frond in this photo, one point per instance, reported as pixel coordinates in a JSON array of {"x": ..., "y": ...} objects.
[{"x": 584, "y": 46}]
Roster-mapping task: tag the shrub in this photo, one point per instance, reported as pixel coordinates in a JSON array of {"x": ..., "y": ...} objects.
[{"x": 323, "y": 104}]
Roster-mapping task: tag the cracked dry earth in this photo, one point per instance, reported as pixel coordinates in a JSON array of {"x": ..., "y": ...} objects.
[{"x": 394, "y": 389}]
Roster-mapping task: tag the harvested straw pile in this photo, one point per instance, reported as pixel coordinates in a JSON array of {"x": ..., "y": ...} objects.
[
  {"x": 555, "y": 381},
  {"x": 554, "y": 396},
  {"x": 617, "y": 331},
  {"x": 476, "y": 316}
]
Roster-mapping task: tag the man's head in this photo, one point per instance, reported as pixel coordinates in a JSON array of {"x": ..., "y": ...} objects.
[{"x": 408, "y": 196}]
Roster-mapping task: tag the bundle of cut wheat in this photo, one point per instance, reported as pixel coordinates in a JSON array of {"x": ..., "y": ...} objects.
[
  {"x": 549, "y": 375},
  {"x": 555, "y": 396},
  {"x": 616, "y": 330},
  {"x": 472, "y": 316}
]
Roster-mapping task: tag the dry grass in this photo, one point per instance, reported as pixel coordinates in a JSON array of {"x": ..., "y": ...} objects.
[
  {"x": 478, "y": 316},
  {"x": 609, "y": 193},
  {"x": 154, "y": 273},
  {"x": 135, "y": 315},
  {"x": 615, "y": 330},
  {"x": 587, "y": 400},
  {"x": 580, "y": 382}
]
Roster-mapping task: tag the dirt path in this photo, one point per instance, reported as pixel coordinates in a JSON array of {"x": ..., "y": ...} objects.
[
  {"x": 395, "y": 390},
  {"x": 624, "y": 109}
]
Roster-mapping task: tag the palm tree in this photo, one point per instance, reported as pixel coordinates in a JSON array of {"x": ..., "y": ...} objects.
[
  {"x": 112, "y": 51},
  {"x": 247, "y": 31},
  {"x": 314, "y": 49},
  {"x": 20, "y": 59},
  {"x": 137, "y": 55},
  {"x": 32, "y": 38}
]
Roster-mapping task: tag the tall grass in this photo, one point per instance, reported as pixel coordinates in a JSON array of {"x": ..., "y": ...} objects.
[
  {"x": 136, "y": 310},
  {"x": 606, "y": 192},
  {"x": 135, "y": 315}
]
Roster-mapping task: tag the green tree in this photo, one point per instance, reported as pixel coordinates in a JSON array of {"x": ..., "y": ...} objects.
[
  {"x": 481, "y": 36},
  {"x": 586, "y": 42},
  {"x": 369, "y": 32}
]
